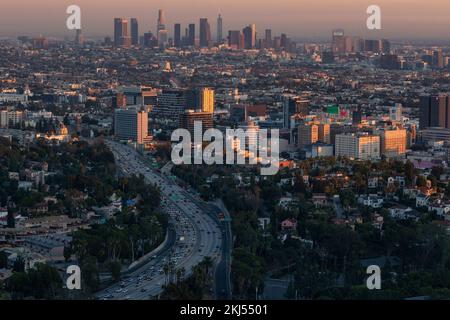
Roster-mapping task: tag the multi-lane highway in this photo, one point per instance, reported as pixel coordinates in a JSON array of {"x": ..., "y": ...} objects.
[{"x": 196, "y": 234}]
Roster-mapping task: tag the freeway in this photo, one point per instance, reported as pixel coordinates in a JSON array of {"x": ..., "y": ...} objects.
[{"x": 197, "y": 234}]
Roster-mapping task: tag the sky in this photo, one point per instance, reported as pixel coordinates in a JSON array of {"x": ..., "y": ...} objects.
[{"x": 401, "y": 19}]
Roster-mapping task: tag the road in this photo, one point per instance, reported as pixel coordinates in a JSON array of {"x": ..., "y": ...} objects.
[{"x": 199, "y": 233}]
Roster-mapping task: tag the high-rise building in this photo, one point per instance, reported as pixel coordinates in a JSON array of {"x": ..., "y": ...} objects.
[
  {"x": 435, "y": 111},
  {"x": 357, "y": 116},
  {"x": 11, "y": 118},
  {"x": 177, "y": 35},
  {"x": 249, "y": 33},
  {"x": 205, "y": 33},
  {"x": 170, "y": 104},
  {"x": 349, "y": 44},
  {"x": 234, "y": 39},
  {"x": 189, "y": 117},
  {"x": 162, "y": 33},
  {"x": 118, "y": 32},
  {"x": 393, "y": 142},
  {"x": 207, "y": 100},
  {"x": 131, "y": 124},
  {"x": 149, "y": 40},
  {"x": 357, "y": 146},
  {"x": 289, "y": 107},
  {"x": 395, "y": 113},
  {"x": 284, "y": 41},
  {"x": 268, "y": 39},
  {"x": 134, "y": 26},
  {"x": 438, "y": 58},
  {"x": 293, "y": 105},
  {"x": 385, "y": 46},
  {"x": 161, "y": 24},
  {"x": 4, "y": 119},
  {"x": 191, "y": 35},
  {"x": 435, "y": 134},
  {"x": 372, "y": 45},
  {"x": 324, "y": 133},
  {"x": 390, "y": 62},
  {"x": 79, "y": 39},
  {"x": 219, "y": 29},
  {"x": 308, "y": 133},
  {"x": 121, "y": 38},
  {"x": 338, "y": 41},
  {"x": 162, "y": 38}
]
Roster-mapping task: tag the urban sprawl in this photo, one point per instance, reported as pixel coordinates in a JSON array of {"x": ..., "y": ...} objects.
[{"x": 86, "y": 176}]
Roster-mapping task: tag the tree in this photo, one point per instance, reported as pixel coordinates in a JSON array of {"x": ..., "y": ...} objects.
[
  {"x": 67, "y": 253},
  {"x": 19, "y": 264},
  {"x": 421, "y": 181},
  {"x": 409, "y": 172},
  {"x": 41, "y": 282},
  {"x": 116, "y": 269},
  {"x": 90, "y": 273},
  {"x": 3, "y": 260}
]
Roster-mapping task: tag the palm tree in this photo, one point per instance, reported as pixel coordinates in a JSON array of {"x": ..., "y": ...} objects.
[
  {"x": 180, "y": 275},
  {"x": 207, "y": 264},
  {"x": 166, "y": 270}
]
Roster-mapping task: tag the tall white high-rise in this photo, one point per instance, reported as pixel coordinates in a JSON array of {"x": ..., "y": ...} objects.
[{"x": 357, "y": 146}]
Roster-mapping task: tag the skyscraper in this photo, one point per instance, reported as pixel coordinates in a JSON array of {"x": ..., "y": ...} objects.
[
  {"x": 191, "y": 35},
  {"x": 162, "y": 38},
  {"x": 234, "y": 39},
  {"x": 161, "y": 29},
  {"x": 189, "y": 117},
  {"x": 134, "y": 31},
  {"x": 307, "y": 134},
  {"x": 121, "y": 38},
  {"x": 338, "y": 45},
  {"x": 438, "y": 58},
  {"x": 171, "y": 103},
  {"x": 207, "y": 100},
  {"x": 268, "y": 38},
  {"x": 284, "y": 41},
  {"x": 205, "y": 33},
  {"x": 435, "y": 111},
  {"x": 118, "y": 31},
  {"x": 79, "y": 39},
  {"x": 357, "y": 116},
  {"x": 161, "y": 20},
  {"x": 324, "y": 133},
  {"x": 219, "y": 29},
  {"x": 177, "y": 35},
  {"x": 249, "y": 36}
]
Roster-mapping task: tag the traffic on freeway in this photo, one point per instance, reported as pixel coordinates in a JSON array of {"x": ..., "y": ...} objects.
[{"x": 197, "y": 235}]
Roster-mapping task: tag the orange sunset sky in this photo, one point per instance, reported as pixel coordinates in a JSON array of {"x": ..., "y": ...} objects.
[{"x": 408, "y": 19}]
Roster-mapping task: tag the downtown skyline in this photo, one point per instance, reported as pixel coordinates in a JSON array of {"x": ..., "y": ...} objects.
[{"x": 402, "y": 20}]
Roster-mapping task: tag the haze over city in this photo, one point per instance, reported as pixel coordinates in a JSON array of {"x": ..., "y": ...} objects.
[{"x": 402, "y": 19}]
